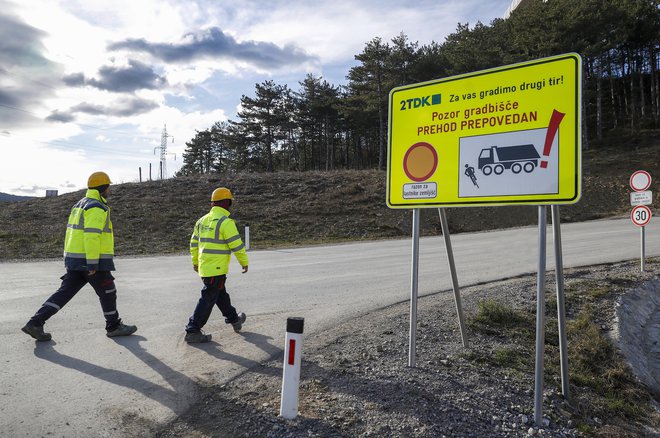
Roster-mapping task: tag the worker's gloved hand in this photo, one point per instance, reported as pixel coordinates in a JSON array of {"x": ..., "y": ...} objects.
[
  {"x": 245, "y": 269},
  {"x": 195, "y": 268},
  {"x": 91, "y": 272}
]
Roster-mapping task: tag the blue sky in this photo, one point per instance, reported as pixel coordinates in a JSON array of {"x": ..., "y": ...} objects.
[{"x": 88, "y": 85}]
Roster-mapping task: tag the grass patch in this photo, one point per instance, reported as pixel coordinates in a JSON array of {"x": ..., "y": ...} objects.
[
  {"x": 516, "y": 360},
  {"x": 602, "y": 384},
  {"x": 597, "y": 367},
  {"x": 494, "y": 318}
]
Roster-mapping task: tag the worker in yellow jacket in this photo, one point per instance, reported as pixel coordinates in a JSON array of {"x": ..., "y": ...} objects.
[
  {"x": 88, "y": 258},
  {"x": 214, "y": 239}
]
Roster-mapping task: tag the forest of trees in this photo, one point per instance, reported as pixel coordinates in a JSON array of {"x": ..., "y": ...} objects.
[{"x": 321, "y": 126}]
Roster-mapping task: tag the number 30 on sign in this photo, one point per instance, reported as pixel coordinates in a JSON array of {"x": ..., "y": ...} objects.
[{"x": 640, "y": 215}]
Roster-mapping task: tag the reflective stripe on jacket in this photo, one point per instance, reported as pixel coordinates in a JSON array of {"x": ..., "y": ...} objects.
[
  {"x": 89, "y": 243},
  {"x": 214, "y": 239}
]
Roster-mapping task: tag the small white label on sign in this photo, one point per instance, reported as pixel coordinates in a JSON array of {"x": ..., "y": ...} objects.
[
  {"x": 641, "y": 198},
  {"x": 420, "y": 191}
]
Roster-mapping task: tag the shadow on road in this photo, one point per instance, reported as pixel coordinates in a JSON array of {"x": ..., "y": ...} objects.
[
  {"x": 172, "y": 398},
  {"x": 261, "y": 341}
]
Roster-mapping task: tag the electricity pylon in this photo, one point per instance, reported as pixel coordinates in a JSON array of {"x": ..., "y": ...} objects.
[{"x": 163, "y": 152}]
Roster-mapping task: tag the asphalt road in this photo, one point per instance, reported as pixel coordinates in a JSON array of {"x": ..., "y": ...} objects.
[{"x": 85, "y": 384}]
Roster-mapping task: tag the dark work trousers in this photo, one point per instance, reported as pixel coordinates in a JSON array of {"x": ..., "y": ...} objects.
[
  {"x": 213, "y": 293},
  {"x": 104, "y": 286}
]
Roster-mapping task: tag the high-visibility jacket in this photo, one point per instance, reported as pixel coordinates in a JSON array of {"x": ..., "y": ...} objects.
[
  {"x": 89, "y": 242},
  {"x": 213, "y": 240}
]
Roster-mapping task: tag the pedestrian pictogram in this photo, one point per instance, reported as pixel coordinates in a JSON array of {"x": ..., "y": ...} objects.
[
  {"x": 469, "y": 171},
  {"x": 640, "y": 215}
]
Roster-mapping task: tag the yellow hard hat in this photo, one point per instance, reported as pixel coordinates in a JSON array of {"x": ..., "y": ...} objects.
[
  {"x": 220, "y": 194},
  {"x": 97, "y": 179}
]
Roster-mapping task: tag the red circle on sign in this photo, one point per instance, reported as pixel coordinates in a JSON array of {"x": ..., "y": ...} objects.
[
  {"x": 420, "y": 161},
  {"x": 640, "y": 181},
  {"x": 640, "y": 215}
]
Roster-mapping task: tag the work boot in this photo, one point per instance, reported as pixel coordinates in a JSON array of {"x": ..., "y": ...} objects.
[
  {"x": 238, "y": 324},
  {"x": 37, "y": 332},
  {"x": 197, "y": 337},
  {"x": 121, "y": 330}
]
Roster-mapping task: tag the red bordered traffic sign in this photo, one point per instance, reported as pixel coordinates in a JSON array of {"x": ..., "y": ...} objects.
[
  {"x": 420, "y": 161},
  {"x": 640, "y": 215},
  {"x": 640, "y": 180}
]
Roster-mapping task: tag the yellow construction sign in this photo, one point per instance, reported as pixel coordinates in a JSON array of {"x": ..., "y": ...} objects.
[{"x": 509, "y": 135}]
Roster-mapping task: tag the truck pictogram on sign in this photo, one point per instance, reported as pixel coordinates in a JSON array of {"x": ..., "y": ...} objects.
[{"x": 516, "y": 158}]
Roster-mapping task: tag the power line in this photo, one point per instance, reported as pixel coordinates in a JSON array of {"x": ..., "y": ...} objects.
[
  {"x": 92, "y": 148},
  {"x": 61, "y": 143},
  {"x": 127, "y": 134},
  {"x": 18, "y": 109}
]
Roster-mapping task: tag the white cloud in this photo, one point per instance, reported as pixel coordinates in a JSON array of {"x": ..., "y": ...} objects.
[
  {"x": 29, "y": 167},
  {"x": 71, "y": 37}
]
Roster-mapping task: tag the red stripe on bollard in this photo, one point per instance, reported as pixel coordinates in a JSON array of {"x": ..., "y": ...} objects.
[{"x": 292, "y": 351}]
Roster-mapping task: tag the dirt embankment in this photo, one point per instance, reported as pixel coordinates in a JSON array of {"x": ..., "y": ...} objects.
[{"x": 288, "y": 209}]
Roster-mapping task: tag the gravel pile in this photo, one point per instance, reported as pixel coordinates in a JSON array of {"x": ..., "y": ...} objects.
[{"x": 355, "y": 381}]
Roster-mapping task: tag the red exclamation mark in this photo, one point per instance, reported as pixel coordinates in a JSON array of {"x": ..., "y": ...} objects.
[{"x": 553, "y": 127}]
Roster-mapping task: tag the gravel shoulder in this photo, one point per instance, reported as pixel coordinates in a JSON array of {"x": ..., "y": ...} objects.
[{"x": 355, "y": 381}]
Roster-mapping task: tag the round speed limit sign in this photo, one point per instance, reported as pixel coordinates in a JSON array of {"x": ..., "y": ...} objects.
[{"x": 640, "y": 215}]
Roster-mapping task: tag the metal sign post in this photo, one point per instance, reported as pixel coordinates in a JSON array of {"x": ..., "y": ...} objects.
[
  {"x": 454, "y": 278},
  {"x": 640, "y": 215},
  {"x": 561, "y": 309},
  {"x": 414, "y": 284},
  {"x": 540, "y": 320},
  {"x": 643, "y": 238}
]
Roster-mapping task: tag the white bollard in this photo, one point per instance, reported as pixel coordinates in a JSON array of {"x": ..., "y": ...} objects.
[
  {"x": 247, "y": 237},
  {"x": 291, "y": 371}
]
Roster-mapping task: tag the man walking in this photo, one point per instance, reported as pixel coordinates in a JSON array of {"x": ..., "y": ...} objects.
[
  {"x": 88, "y": 258},
  {"x": 214, "y": 239}
]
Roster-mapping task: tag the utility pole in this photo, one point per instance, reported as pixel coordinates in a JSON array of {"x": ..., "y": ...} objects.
[{"x": 163, "y": 152}]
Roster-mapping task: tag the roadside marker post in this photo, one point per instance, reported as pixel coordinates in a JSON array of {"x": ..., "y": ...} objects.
[
  {"x": 504, "y": 136},
  {"x": 641, "y": 214},
  {"x": 291, "y": 369}
]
